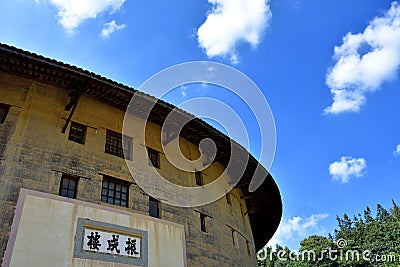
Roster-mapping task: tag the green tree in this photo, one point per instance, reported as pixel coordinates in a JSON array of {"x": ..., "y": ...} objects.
[
  {"x": 316, "y": 250},
  {"x": 379, "y": 234}
]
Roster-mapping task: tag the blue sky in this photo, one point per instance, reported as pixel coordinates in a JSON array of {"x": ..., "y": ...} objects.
[{"x": 329, "y": 70}]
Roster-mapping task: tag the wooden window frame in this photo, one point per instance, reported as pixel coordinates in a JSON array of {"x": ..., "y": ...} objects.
[
  {"x": 111, "y": 194},
  {"x": 156, "y": 203},
  {"x": 77, "y": 135},
  {"x": 114, "y": 145},
  {"x": 154, "y": 157},
  {"x": 65, "y": 186}
]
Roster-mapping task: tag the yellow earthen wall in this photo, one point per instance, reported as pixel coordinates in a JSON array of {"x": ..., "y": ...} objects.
[{"x": 34, "y": 154}]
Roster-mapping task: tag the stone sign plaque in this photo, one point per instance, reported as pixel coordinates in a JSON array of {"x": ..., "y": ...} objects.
[{"x": 113, "y": 243}]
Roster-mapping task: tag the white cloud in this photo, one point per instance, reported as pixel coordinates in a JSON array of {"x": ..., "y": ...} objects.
[
  {"x": 364, "y": 62},
  {"x": 346, "y": 167},
  {"x": 72, "y": 12},
  {"x": 183, "y": 91},
  {"x": 297, "y": 228},
  {"x": 231, "y": 22},
  {"x": 397, "y": 151},
  {"x": 110, "y": 27}
]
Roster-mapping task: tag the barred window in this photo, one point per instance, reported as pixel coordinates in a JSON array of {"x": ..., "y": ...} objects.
[
  {"x": 68, "y": 186},
  {"x": 3, "y": 112},
  {"x": 77, "y": 133},
  {"x": 115, "y": 192},
  {"x": 114, "y": 145},
  {"x": 154, "y": 207},
  {"x": 154, "y": 157}
]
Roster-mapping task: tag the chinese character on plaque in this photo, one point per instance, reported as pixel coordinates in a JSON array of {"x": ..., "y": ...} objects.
[{"x": 111, "y": 243}]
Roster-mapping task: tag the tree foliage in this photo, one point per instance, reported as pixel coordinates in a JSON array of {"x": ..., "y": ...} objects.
[{"x": 364, "y": 240}]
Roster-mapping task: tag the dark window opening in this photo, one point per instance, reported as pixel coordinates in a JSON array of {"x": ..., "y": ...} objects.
[
  {"x": 77, "y": 133},
  {"x": 228, "y": 199},
  {"x": 3, "y": 112},
  {"x": 114, "y": 192},
  {"x": 233, "y": 237},
  {"x": 68, "y": 186},
  {"x": 199, "y": 178},
  {"x": 114, "y": 145},
  {"x": 154, "y": 157},
  {"x": 154, "y": 207},
  {"x": 203, "y": 222}
]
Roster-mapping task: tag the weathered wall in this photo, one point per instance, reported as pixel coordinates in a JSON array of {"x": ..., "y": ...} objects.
[
  {"x": 47, "y": 228},
  {"x": 34, "y": 154}
]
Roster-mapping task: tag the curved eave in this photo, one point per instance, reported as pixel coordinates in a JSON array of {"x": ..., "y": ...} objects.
[{"x": 264, "y": 206}]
